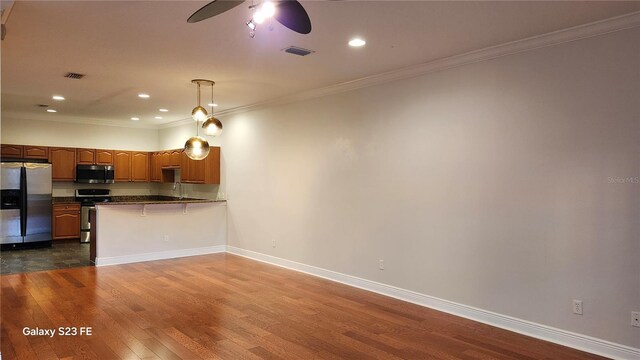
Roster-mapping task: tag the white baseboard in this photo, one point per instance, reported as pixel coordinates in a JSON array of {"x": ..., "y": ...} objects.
[
  {"x": 160, "y": 255},
  {"x": 544, "y": 332}
]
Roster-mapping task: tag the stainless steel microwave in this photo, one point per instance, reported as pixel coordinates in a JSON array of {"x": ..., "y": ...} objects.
[{"x": 94, "y": 174}]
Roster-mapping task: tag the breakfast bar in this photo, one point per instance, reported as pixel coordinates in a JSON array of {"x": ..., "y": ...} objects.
[{"x": 134, "y": 230}]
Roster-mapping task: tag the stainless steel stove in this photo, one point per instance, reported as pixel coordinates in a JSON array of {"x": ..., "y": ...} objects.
[{"x": 88, "y": 199}]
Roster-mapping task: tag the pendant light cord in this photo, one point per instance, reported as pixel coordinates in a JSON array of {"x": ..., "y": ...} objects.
[{"x": 212, "y": 99}]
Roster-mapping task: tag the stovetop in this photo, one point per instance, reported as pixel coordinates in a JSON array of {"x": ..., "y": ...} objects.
[{"x": 92, "y": 196}]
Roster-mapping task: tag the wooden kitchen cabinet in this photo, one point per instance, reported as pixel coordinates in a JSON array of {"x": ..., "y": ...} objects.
[
  {"x": 212, "y": 166},
  {"x": 94, "y": 156},
  {"x": 205, "y": 171},
  {"x": 139, "y": 166},
  {"x": 86, "y": 156},
  {"x": 11, "y": 151},
  {"x": 174, "y": 157},
  {"x": 36, "y": 152},
  {"x": 104, "y": 157},
  {"x": 66, "y": 221},
  {"x": 63, "y": 163},
  {"x": 131, "y": 166},
  {"x": 155, "y": 170},
  {"x": 122, "y": 165},
  {"x": 192, "y": 171}
]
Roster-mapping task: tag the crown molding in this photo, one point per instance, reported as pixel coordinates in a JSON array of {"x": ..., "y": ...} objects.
[
  {"x": 575, "y": 33},
  {"x": 85, "y": 121}
]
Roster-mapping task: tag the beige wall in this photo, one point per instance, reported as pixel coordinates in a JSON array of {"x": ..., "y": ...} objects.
[
  {"x": 51, "y": 133},
  {"x": 491, "y": 185}
]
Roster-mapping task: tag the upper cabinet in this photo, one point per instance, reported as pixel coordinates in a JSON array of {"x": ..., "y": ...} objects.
[
  {"x": 205, "y": 171},
  {"x": 122, "y": 165},
  {"x": 212, "y": 166},
  {"x": 63, "y": 163},
  {"x": 139, "y": 166},
  {"x": 36, "y": 152},
  {"x": 12, "y": 151},
  {"x": 104, "y": 157},
  {"x": 86, "y": 156},
  {"x": 95, "y": 156},
  {"x": 131, "y": 166},
  {"x": 155, "y": 169},
  {"x": 25, "y": 151}
]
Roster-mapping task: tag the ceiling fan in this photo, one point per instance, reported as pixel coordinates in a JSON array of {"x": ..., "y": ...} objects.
[{"x": 289, "y": 13}]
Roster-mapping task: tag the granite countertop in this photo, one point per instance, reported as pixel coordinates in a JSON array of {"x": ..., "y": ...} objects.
[
  {"x": 154, "y": 199},
  {"x": 63, "y": 200},
  {"x": 137, "y": 199}
]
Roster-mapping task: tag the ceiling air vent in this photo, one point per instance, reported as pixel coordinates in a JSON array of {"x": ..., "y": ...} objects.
[
  {"x": 71, "y": 75},
  {"x": 42, "y": 105},
  {"x": 298, "y": 51}
]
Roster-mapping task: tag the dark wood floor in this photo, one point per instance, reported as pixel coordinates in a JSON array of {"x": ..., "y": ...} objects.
[{"x": 227, "y": 307}]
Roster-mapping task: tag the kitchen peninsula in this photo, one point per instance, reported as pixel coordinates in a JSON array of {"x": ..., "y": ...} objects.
[{"x": 157, "y": 227}]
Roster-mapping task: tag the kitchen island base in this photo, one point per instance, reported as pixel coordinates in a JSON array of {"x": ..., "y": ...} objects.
[{"x": 128, "y": 233}]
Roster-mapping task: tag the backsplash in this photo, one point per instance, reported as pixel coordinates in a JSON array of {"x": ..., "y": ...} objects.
[
  {"x": 117, "y": 189},
  {"x": 198, "y": 191}
]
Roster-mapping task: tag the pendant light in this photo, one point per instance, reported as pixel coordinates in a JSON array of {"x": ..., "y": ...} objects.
[
  {"x": 212, "y": 126},
  {"x": 197, "y": 147},
  {"x": 199, "y": 113}
]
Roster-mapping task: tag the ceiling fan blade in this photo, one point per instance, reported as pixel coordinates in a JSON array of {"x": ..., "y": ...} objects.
[
  {"x": 216, "y": 7},
  {"x": 291, "y": 14}
]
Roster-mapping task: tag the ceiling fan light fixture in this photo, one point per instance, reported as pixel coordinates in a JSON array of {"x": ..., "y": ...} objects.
[
  {"x": 268, "y": 9},
  {"x": 258, "y": 17}
]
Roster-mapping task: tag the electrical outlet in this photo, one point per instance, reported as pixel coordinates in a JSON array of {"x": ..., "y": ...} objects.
[
  {"x": 635, "y": 318},
  {"x": 165, "y": 238},
  {"x": 273, "y": 243},
  {"x": 381, "y": 264},
  {"x": 577, "y": 307}
]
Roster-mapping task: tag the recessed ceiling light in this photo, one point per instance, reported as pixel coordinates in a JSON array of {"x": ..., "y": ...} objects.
[
  {"x": 144, "y": 96},
  {"x": 51, "y": 110},
  {"x": 163, "y": 110},
  {"x": 158, "y": 117},
  {"x": 135, "y": 118},
  {"x": 58, "y": 97},
  {"x": 213, "y": 104},
  {"x": 357, "y": 42}
]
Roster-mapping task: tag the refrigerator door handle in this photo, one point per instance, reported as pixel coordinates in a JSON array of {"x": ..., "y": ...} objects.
[{"x": 23, "y": 200}]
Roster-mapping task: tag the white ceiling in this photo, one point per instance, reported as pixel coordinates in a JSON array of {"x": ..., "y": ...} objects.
[{"x": 128, "y": 47}]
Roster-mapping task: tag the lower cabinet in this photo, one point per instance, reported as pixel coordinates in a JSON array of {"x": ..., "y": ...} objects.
[{"x": 66, "y": 221}]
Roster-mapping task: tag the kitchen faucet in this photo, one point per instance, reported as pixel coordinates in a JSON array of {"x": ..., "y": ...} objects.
[{"x": 174, "y": 188}]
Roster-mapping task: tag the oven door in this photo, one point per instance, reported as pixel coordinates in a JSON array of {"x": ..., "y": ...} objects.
[{"x": 85, "y": 223}]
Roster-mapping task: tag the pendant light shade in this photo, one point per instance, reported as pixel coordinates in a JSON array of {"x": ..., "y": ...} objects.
[
  {"x": 196, "y": 148},
  {"x": 199, "y": 113},
  {"x": 212, "y": 126}
]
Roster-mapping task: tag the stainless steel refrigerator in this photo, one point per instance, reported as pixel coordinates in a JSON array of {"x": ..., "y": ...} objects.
[{"x": 26, "y": 202}]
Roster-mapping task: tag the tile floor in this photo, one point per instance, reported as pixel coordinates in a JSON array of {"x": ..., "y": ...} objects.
[{"x": 61, "y": 255}]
